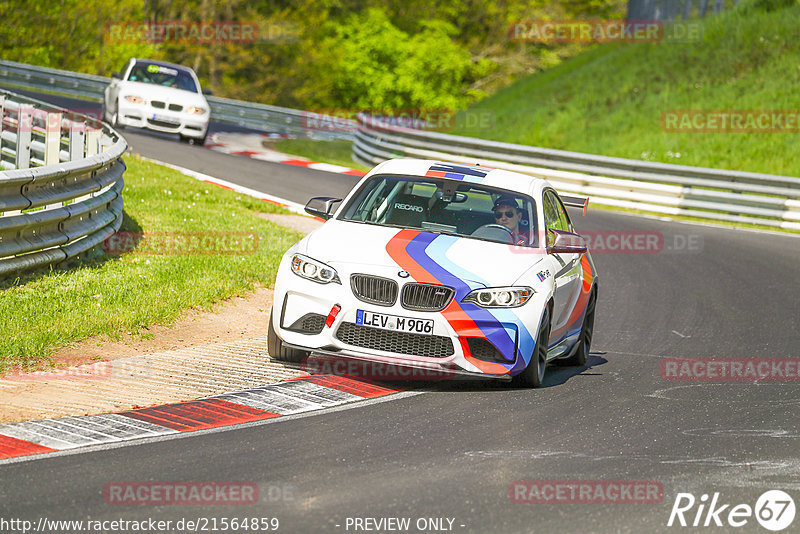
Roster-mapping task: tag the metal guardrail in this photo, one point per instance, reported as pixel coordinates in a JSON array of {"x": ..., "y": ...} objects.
[
  {"x": 248, "y": 114},
  {"x": 715, "y": 194},
  {"x": 61, "y": 190}
]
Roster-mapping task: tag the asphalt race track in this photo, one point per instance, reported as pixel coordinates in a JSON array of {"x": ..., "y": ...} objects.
[{"x": 453, "y": 450}]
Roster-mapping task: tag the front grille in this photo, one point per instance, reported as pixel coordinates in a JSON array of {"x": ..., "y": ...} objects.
[
  {"x": 310, "y": 323},
  {"x": 484, "y": 350},
  {"x": 398, "y": 342},
  {"x": 374, "y": 289},
  {"x": 175, "y": 107},
  {"x": 426, "y": 297},
  {"x": 158, "y": 104}
]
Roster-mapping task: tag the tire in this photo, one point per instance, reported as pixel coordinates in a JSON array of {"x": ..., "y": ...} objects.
[
  {"x": 278, "y": 351},
  {"x": 114, "y": 120},
  {"x": 587, "y": 331},
  {"x": 533, "y": 375},
  {"x": 194, "y": 140}
]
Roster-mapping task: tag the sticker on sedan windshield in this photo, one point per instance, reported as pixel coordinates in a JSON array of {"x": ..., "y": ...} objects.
[
  {"x": 393, "y": 322},
  {"x": 162, "y": 70}
]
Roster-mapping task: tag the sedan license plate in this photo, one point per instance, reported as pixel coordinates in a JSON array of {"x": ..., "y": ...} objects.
[
  {"x": 393, "y": 322},
  {"x": 162, "y": 118}
]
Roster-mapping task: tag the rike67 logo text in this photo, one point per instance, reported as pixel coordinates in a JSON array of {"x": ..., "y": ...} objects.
[{"x": 774, "y": 510}]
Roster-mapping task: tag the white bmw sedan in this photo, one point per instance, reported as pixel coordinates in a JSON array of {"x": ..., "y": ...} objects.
[
  {"x": 159, "y": 96},
  {"x": 440, "y": 266}
]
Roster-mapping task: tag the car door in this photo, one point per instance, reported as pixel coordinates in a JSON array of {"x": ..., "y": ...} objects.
[{"x": 567, "y": 275}]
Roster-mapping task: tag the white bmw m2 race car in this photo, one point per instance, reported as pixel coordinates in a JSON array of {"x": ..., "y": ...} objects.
[{"x": 441, "y": 266}]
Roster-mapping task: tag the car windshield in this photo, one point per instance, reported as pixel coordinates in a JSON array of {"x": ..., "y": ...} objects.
[
  {"x": 445, "y": 206},
  {"x": 163, "y": 76}
]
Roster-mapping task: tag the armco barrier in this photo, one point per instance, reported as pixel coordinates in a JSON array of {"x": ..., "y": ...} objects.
[
  {"x": 61, "y": 187},
  {"x": 248, "y": 114},
  {"x": 715, "y": 194}
]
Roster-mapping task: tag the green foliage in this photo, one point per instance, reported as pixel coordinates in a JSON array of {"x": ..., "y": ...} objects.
[
  {"x": 773, "y": 5},
  {"x": 69, "y": 34},
  {"x": 378, "y": 66},
  {"x": 610, "y": 100},
  {"x": 311, "y": 53}
]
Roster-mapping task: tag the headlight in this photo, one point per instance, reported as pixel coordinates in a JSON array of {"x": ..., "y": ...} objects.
[
  {"x": 499, "y": 297},
  {"x": 314, "y": 270},
  {"x": 194, "y": 110},
  {"x": 135, "y": 99}
]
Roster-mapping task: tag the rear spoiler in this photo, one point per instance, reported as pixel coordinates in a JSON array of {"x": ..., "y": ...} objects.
[{"x": 575, "y": 202}]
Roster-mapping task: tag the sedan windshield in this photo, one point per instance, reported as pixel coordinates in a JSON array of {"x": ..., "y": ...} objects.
[
  {"x": 163, "y": 76},
  {"x": 445, "y": 206}
]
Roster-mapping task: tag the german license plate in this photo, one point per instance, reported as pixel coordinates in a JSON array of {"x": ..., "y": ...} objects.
[
  {"x": 162, "y": 118},
  {"x": 393, "y": 322}
]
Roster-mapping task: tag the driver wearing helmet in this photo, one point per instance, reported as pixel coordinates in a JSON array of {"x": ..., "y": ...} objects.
[{"x": 507, "y": 213}]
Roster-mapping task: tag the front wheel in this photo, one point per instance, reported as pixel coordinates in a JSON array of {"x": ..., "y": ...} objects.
[
  {"x": 201, "y": 141},
  {"x": 277, "y": 350},
  {"x": 533, "y": 375},
  {"x": 585, "y": 339},
  {"x": 114, "y": 119}
]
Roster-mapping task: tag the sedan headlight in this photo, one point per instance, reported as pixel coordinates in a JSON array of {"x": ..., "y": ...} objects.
[
  {"x": 194, "y": 110},
  {"x": 314, "y": 270},
  {"x": 133, "y": 99},
  {"x": 499, "y": 297}
]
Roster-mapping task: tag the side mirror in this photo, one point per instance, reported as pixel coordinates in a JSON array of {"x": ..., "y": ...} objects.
[
  {"x": 321, "y": 206},
  {"x": 117, "y": 76},
  {"x": 560, "y": 242},
  {"x": 208, "y": 92}
]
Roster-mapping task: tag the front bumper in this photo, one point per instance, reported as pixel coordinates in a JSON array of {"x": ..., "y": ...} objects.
[
  {"x": 481, "y": 343},
  {"x": 162, "y": 120}
]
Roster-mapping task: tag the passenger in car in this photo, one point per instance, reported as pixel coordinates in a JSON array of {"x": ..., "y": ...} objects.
[{"x": 507, "y": 212}]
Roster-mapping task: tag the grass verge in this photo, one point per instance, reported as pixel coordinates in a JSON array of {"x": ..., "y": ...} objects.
[
  {"x": 337, "y": 152},
  {"x": 611, "y": 100},
  {"x": 117, "y": 293}
]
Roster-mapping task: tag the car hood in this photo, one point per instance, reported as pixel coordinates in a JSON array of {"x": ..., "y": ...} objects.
[
  {"x": 351, "y": 246},
  {"x": 158, "y": 92}
]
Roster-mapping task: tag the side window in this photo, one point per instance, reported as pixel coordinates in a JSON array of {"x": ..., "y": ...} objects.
[
  {"x": 551, "y": 219},
  {"x": 562, "y": 215}
]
